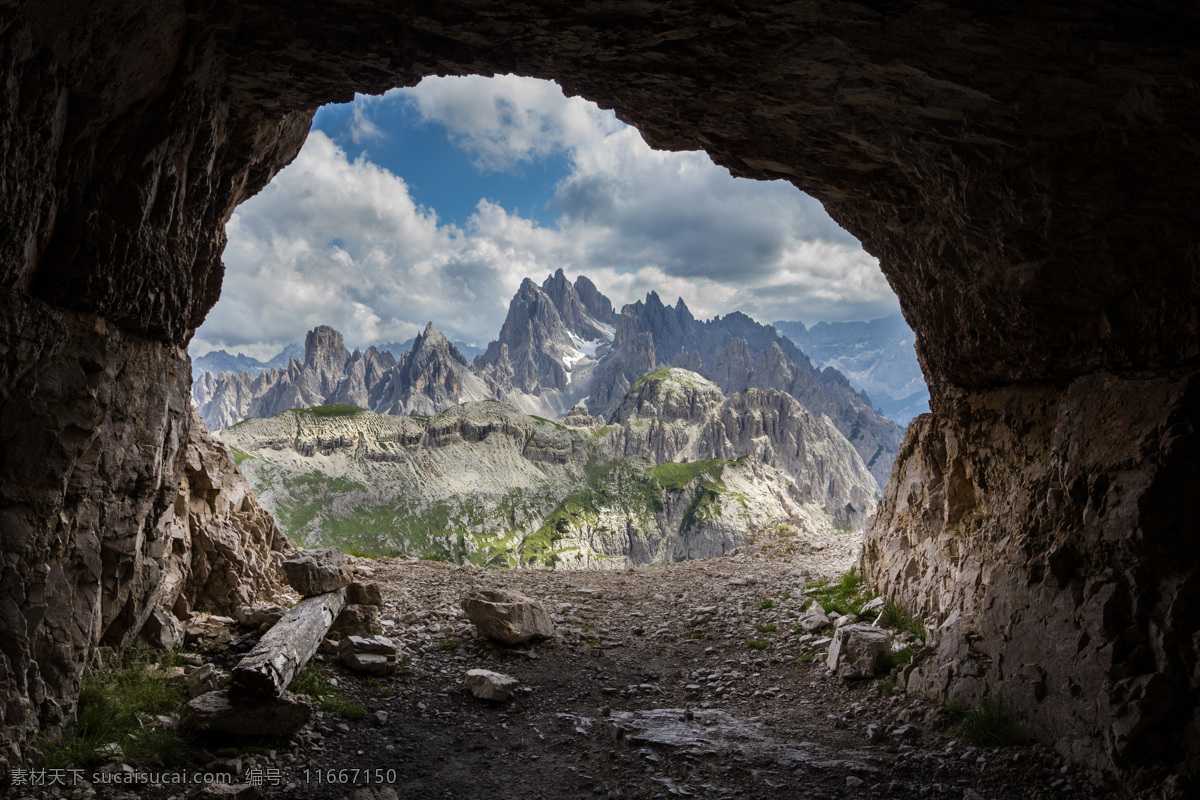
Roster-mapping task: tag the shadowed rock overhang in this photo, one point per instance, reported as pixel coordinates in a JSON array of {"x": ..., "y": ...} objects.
[{"x": 1024, "y": 172}]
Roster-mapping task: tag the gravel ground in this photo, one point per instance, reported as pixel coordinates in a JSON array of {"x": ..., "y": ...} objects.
[{"x": 648, "y": 689}]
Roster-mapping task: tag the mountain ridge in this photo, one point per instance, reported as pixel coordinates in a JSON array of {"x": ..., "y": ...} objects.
[{"x": 561, "y": 344}]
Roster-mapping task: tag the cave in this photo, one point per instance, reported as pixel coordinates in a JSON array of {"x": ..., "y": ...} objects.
[{"x": 1025, "y": 174}]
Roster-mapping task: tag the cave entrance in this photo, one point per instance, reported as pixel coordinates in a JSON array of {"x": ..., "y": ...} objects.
[{"x": 435, "y": 206}]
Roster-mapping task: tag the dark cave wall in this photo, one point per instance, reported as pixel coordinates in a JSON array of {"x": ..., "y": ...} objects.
[{"x": 1024, "y": 172}]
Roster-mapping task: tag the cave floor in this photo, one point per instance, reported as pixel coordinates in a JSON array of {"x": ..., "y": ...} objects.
[{"x": 635, "y": 697}]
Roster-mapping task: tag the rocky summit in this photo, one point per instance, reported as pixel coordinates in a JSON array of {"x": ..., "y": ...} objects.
[
  {"x": 682, "y": 471},
  {"x": 561, "y": 345}
]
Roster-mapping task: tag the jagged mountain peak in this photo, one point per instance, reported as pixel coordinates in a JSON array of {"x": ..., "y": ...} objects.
[
  {"x": 323, "y": 343},
  {"x": 432, "y": 344}
]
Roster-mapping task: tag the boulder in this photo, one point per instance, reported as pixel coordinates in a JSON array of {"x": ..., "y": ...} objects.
[
  {"x": 507, "y": 616},
  {"x": 313, "y": 572},
  {"x": 221, "y": 712},
  {"x": 814, "y": 619},
  {"x": 364, "y": 594},
  {"x": 358, "y": 620},
  {"x": 488, "y": 685},
  {"x": 377, "y": 655},
  {"x": 857, "y": 651}
]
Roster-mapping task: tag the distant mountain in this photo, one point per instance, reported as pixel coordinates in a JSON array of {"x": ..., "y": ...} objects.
[
  {"x": 218, "y": 361},
  {"x": 876, "y": 357},
  {"x": 397, "y": 349},
  {"x": 562, "y": 344}
]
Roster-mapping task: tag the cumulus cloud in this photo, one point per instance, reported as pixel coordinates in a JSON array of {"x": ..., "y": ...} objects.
[{"x": 339, "y": 240}]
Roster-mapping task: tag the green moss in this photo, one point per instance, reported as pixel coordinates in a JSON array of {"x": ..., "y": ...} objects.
[{"x": 674, "y": 476}]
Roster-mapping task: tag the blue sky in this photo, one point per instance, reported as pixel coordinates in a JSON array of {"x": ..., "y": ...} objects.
[
  {"x": 432, "y": 203},
  {"x": 440, "y": 174}
]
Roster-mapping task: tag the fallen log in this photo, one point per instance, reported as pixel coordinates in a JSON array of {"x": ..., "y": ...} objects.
[{"x": 288, "y": 645}]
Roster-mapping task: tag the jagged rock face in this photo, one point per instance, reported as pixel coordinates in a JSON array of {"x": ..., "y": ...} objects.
[
  {"x": 483, "y": 482},
  {"x": 544, "y": 358},
  {"x": 1025, "y": 176},
  {"x": 1047, "y": 596},
  {"x": 674, "y": 415},
  {"x": 123, "y": 506},
  {"x": 223, "y": 550},
  {"x": 428, "y": 378},
  {"x": 364, "y": 380}
]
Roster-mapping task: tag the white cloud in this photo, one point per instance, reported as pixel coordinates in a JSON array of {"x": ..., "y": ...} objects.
[{"x": 341, "y": 242}]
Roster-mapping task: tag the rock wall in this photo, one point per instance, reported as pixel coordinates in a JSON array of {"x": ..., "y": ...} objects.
[
  {"x": 225, "y": 550},
  {"x": 1048, "y": 534},
  {"x": 93, "y": 427}
]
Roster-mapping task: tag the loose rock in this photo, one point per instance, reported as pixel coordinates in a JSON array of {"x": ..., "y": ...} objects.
[
  {"x": 219, "y": 712},
  {"x": 313, "y": 572},
  {"x": 365, "y": 594},
  {"x": 358, "y": 620},
  {"x": 814, "y": 619},
  {"x": 507, "y": 616},
  {"x": 377, "y": 655},
  {"x": 488, "y": 685},
  {"x": 856, "y": 651}
]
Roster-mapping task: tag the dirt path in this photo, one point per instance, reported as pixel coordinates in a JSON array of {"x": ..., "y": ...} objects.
[
  {"x": 648, "y": 689},
  {"x": 639, "y": 696}
]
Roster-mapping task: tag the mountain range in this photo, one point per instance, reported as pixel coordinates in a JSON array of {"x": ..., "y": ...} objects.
[
  {"x": 561, "y": 344},
  {"x": 679, "y": 471}
]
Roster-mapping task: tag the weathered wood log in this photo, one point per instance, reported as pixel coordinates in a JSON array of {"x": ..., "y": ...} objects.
[{"x": 288, "y": 645}]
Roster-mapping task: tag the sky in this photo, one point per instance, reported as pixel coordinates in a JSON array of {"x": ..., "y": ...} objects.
[{"x": 432, "y": 203}]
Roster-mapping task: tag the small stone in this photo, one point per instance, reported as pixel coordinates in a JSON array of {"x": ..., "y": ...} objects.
[
  {"x": 313, "y": 572},
  {"x": 205, "y": 678},
  {"x": 871, "y": 606},
  {"x": 257, "y": 616},
  {"x": 377, "y": 655},
  {"x": 381, "y": 717},
  {"x": 852, "y": 782},
  {"x": 814, "y": 619},
  {"x": 488, "y": 685}
]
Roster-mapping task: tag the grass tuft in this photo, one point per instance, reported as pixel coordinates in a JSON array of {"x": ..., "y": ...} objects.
[
  {"x": 766, "y": 603},
  {"x": 315, "y": 680},
  {"x": 765, "y": 628},
  {"x": 988, "y": 725},
  {"x": 447, "y": 647},
  {"x": 757, "y": 644},
  {"x": 119, "y": 701}
]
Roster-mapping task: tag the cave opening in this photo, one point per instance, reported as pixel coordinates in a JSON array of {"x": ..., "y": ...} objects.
[{"x": 1024, "y": 179}]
